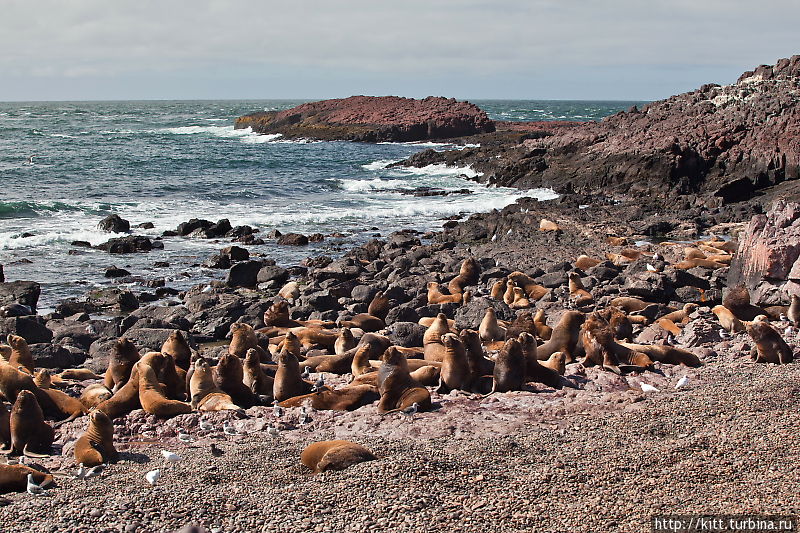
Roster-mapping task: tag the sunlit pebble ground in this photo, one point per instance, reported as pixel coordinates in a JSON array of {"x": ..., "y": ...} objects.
[{"x": 605, "y": 458}]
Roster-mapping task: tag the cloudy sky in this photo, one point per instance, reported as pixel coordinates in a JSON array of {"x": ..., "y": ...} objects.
[{"x": 548, "y": 49}]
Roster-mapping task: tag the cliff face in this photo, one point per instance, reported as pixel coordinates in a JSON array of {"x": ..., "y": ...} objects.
[
  {"x": 719, "y": 140},
  {"x": 373, "y": 119}
]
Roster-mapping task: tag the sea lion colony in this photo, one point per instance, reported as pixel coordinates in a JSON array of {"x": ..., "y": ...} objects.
[{"x": 272, "y": 363}]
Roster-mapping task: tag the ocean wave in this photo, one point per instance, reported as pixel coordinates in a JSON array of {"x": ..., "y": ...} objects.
[
  {"x": 437, "y": 170},
  {"x": 379, "y": 164},
  {"x": 13, "y": 241},
  {"x": 33, "y": 209}
]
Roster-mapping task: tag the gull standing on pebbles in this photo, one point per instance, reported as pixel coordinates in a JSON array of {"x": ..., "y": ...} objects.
[
  {"x": 646, "y": 387},
  {"x": 215, "y": 451},
  {"x": 33, "y": 488},
  {"x": 95, "y": 471},
  {"x": 81, "y": 473},
  {"x": 185, "y": 437},
  {"x": 682, "y": 383},
  {"x": 272, "y": 431},
  {"x": 411, "y": 411},
  {"x": 277, "y": 410},
  {"x": 170, "y": 456},
  {"x": 153, "y": 476},
  {"x": 229, "y": 429},
  {"x": 205, "y": 425},
  {"x": 724, "y": 335},
  {"x": 304, "y": 419}
]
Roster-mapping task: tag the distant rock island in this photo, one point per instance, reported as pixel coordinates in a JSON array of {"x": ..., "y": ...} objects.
[{"x": 373, "y": 119}]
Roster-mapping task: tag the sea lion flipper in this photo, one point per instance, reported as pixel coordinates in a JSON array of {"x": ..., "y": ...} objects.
[{"x": 34, "y": 455}]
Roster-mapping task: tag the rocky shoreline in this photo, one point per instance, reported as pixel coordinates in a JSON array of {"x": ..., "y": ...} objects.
[{"x": 597, "y": 442}]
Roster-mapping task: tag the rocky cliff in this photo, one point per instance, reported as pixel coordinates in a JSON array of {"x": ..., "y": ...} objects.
[{"x": 373, "y": 119}]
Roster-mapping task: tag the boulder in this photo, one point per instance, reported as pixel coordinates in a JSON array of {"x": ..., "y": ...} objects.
[
  {"x": 31, "y": 328},
  {"x": 272, "y": 273},
  {"x": 293, "y": 239},
  {"x": 47, "y": 355},
  {"x": 114, "y": 224},
  {"x": 113, "y": 298},
  {"x": 236, "y": 253},
  {"x": 406, "y": 334},
  {"x": 128, "y": 245},
  {"x": 244, "y": 274},
  {"x": 149, "y": 338},
  {"x": 21, "y": 292},
  {"x": 469, "y": 316}
]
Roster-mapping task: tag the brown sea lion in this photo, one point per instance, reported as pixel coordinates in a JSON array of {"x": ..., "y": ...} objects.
[
  {"x": 77, "y": 374},
  {"x": 564, "y": 338},
  {"x": 278, "y": 316},
  {"x": 426, "y": 321},
  {"x": 597, "y": 339},
  {"x": 334, "y": 455},
  {"x": 364, "y": 321},
  {"x": 737, "y": 300},
  {"x": 436, "y": 330},
  {"x": 793, "y": 313},
  {"x": 290, "y": 291},
  {"x": 292, "y": 344},
  {"x": 255, "y": 378},
  {"x": 30, "y": 434},
  {"x": 310, "y": 336},
  {"x": 534, "y": 291},
  {"x": 5, "y": 353},
  {"x": 288, "y": 382},
  {"x": 508, "y": 294},
  {"x": 94, "y": 395},
  {"x": 397, "y": 388},
  {"x": 468, "y": 274},
  {"x": 478, "y": 364},
  {"x": 427, "y": 376},
  {"x": 727, "y": 319},
  {"x": 489, "y": 329},
  {"x": 686, "y": 264},
  {"x": 681, "y": 316},
  {"x": 14, "y": 478},
  {"x": 125, "y": 399},
  {"x": 520, "y": 301},
  {"x": 498, "y": 289},
  {"x": 336, "y": 364},
  {"x": 66, "y": 404},
  {"x": 548, "y": 225},
  {"x": 5, "y": 427},
  {"x": 229, "y": 376},
  {"x": 347, "y": 398},
  {"x": 618, "y": 321},
  {"x": 177, "y": 346},
  {"x": 666, "y": 354},
  {"x": 534, "y": 371},
  {"x": 205, "y": 395},
  {"x": 436, "y": 296},
  {"x": 344, "y": 342},
  {"x": 360, "y": 363},
  {"x": 120, "y": 364},
  {"x": 153, "y": 398},
  {"x": 543, "y": 331},
  {"x": 585, "y": 262},
  {"x": 379, "y": 306},
  {"x": 243, "y": 337},
  {"x": 557, "y": 362},
  {"x": 630, "y": 304},
  {"x": 770, "y": 346},
  {"x": 96, "y": 445},
  {"x": 509, "y": 368},
  {"x": 577, "y": 292},
  {"x": 455, "y": 372},
  {"x": 523, "y": 323},
  {"x": 20, "y": 353}
]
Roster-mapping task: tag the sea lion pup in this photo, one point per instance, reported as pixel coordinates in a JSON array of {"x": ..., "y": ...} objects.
[
  {"x": 490, "y": 330},
  {"x": 468, "y": 274},
  {"x": 618, "y": 321},
  {"x": 577, "y": 292},
  {"x": 557, "y": 362},
  {"x": 630, "y": 304},
  {"x": 94, "y": 395},
  {"x": 30, "y": 434},
  {"x": 564, "y": 338},
  {"x": 585, "y": 262},
  {"x": 20, "y": 353},
  {"x": 243, "y": 337},
  {"x": 229, "y": 376},
  {"x": 153, "y": 398},
  {"x": 520, "y": 300},
  {"x": 255, "y": 378},
  {"x": 727, "y": 319},
  {"x": 347, "y": 398},
  {"x": 288, "y": 382},
  {"x": 278, "y": 316},
  {"x": 534, "y": 291},
  {"x": 76, "y": 374},
  {"x": 14, "y": 478},
  {"x": 344, "y": 342},
  {"x": 543, "y": 331},
  {"x": 397, "y": 388},
  {"x": 737, "y": 300},
  {"x": 334, "y": 455},
  {"x": 69, "y": 406},
  {"x": 548, "y": 225},
  {"x": 436, "y": 296},
  {"x": 177, "y": 346},
  {"x": 498, "y": 288},
  {"x": 770, "y": 346},
  {"x": 509, "y": 368},
  {"x": 665, "y": 354},
  {"x": 309, "y": 336},
  {"x": 508, "y": 295},
  {"x": 96, "y": 445},
  {"x": 5, "y": 427},
  {"x": 205, "y": 395},
  {"x": 793, "y": 313},
  {"x": 379, "y": 306},
  {"x": 455, "y": 372},
  {"x": 364, "y": 321},
  {"x": 120, "y": 365},
  {"x": 534, "y": 371},
  {"x": 613, "y": 240},
  {"x": 290, "y": 291},
  {"x": 681, "y": 316}
]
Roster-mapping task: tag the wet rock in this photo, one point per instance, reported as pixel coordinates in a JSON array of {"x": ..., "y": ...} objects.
[
  {"x": 114, "y": 272},
  {"x": 185, "y": 228},
  {"x": 31, "y": 328},
  {"x": 293, "y": 239},
  {"x": 82, "y": 333},
  {"x": 128, "y": 245},
  {"x": 272, "y": 273},
  {"x": 406, "y": 334},
  {"x": 47, "y": 355},
  {"x": 236, "y": 253},
  {"x": 22, "y": 292},
  {"x": 114, "y": 224},
  {"x": 220, "y": 261},
  {"x": 244, "y": 274},
  {"x": 113, "y": 299}
]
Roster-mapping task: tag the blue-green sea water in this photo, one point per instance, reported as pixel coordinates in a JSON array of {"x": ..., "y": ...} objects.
[{"x": 167, "y": 161}]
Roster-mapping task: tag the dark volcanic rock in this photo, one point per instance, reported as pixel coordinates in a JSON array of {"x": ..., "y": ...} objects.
[
  {"x": 114, "y": 224},
  {"x": 469, "y": 316},
  {"x": 373, "y": 119},
  {"x": 293, "y": 239},
  {"x": 112, "y": 298},
  {"x": 21, "y": 292},
  {"x": 127, "y": 245},
  {"x": 244, "y": 274},
  {"x": 406, "y": 334},
  {"x": 31, "y": 328},
  {"x": 47, "y": 355}
]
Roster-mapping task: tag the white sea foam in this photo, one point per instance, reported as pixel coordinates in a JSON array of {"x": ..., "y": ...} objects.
[{"x": 379, "y": 164}]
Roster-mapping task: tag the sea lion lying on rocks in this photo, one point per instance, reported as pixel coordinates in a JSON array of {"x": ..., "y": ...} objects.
[
  {"x": 334, "y": 455},
  {"x": 397, "y": 388}
]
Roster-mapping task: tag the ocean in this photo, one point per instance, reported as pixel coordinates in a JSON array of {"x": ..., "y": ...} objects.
[{"x": 165, "y": 162}]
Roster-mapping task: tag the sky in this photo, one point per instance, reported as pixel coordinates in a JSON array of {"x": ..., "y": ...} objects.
[{"x": 313, "y": 49}]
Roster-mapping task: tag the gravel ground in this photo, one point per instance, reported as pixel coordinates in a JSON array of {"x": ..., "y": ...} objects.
[{"x": 605, "y": 458}]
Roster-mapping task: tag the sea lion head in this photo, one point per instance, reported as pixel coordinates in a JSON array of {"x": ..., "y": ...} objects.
[
  {"x": 26, "y": 404},
  {"x": 449, "y": 339},
  {"x": 124, "y": 346},
  {"x": 43, "y": 379},
  {"x": 392, "y": 356},
  {"x": 100, "y": 420},
  {"x": 16, "y": 342},
  {"x": 759, "y": 330},
  {"x": 252, "y": 357}
]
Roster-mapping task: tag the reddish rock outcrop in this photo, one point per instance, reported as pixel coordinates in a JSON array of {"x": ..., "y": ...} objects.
[
  {"x": 768, "y": 259},
  {"x": 373, "y": 119}
]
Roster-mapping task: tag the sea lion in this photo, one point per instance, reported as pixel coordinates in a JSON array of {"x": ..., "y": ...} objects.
[
  {"x": 737, "y": 300},
  {"x": 468, "y": 274},
  {"x": 96, "y": 445},
  {"x": 557, "y": 362},
  {"x": 177, "y": 346},
  {"x": 436, "y": 296},
  {"x": 727, "y": 319},
  {"x": 455, "y": 372},
  {"x": 20, "y": 353},
  {"x": 630, "y": 304},
  {"x": 43, "y": 379},
  {"x": 5, "y": 427},
  {"x": 597, "y": 339},
  {"x": 66, "y": 404},
  {"x": 364, "y": 321},
  {"x": 344, "y": 342},
  {"x": 292, "y": 344},
  {"x": 534, "y": 371},
  {"x": 310, "y": 336},
  {"x": 334, "y": 455},
  {"x": 360, "y": 363},
  {"x": 347, "y": 398},
  {"x": 95, "y": 394},
  {"x": 548, "y": 225},
  {"x": 120, "y": 364},
  {"x": 255, "y": 378},
  {"x": 577, "y": 292},
  {"x": 125, "y": 399},
  {"x": 76, "y": 374},
  {"x": 498, "y": 288},
  {"x": 794, "y": 311},
  {"x": 617, "y": 241},
  {"x": 14, "y": 478},
  {"x": 543, "y": 331},
  {"x": 379, "y": 306},
  {"x": 229, "y": 376},
  {"x": 152, "y": 395},
  {"x": 290, "y": 291},
  {"x": 508, "y": 295},
  {"x": 30, "y": 434},
  {"x": 520, "y": 300},
  {"x": 681, "y": 316},
  {"x": 13, "y": 381},
  {"x": 490, "y": 330},
  {"x": 534, "y": 291},
  {"x": 278, "y": 316},
  {"x": 585, "y": 262},
  {"x": 336, "y": 364},
  {"x": 243, "y": 337},
  {"x": 426, "y": 321},
  {"x": 665, "y": 354},
  {"x": 478, "y": 364},
  {"x": 770, "y": 346},
  {"x": 564, "y": 338},
  {"x": 427, "y": 376},
  {"x": 205, "y": 395},
  {"x": 288, "y": 382},
  {"x": 618, "y": 321},
  {"x": 432, "y": 338},
  {"x": 397, "y": 388},
  {"x": 5, "y": 353},
  {"x": 509, "y": 368}
]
